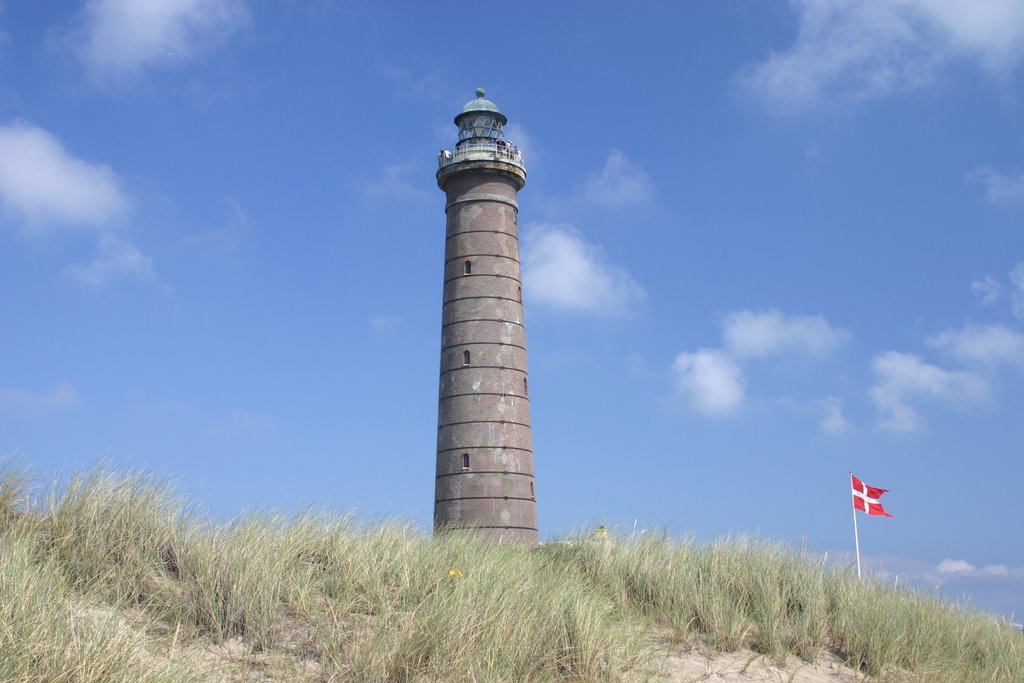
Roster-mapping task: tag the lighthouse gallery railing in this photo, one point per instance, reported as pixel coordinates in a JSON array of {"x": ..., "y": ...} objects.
[{"x": 480, "y": 151}]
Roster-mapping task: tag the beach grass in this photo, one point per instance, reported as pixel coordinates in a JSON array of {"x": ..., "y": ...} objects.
[{"x": 115, "y": 577}]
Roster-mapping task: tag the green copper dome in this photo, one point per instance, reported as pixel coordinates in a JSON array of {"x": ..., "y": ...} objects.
[{"x": 481, "y": 105}]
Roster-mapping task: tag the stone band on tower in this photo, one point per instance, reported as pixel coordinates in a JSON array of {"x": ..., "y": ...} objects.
[{"x": 485, "y": 476}]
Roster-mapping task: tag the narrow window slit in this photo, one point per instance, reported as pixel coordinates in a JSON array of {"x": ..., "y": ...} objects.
[
  {"x": 468, "y": 267},
  {"x": 465, "y": 461},
  {"x": 465, "y": 357}
]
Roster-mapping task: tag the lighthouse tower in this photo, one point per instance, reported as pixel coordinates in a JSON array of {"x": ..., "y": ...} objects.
[{"x": 484, "y": 451}]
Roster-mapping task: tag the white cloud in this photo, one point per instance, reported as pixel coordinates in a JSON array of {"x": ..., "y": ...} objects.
[
  {"x": 987, "y": 289},
  {"x": 983, "y": 344},
  {"x": 1017, "y": 279},
  {"x": 121, "y": 38},
  {"x": 991, "y": 31},
  {"x": 849, "y": 51},
  {"x": 35, "y": 405},
  {"x": 752, "y": 334},
  {"x": 43, "y": 187},
  {"x": 710, "y": 380},
  {"x": 562, "y": 270},
  {"x": 999, "y": 189},
  {"x": 42, "y": 184},
  {"x": 117, "y": 258},
  {"x": 948, "y": 566},
  {"x": 963, "y": 569},
  {"x": 833, "y": 421},
  {"x": 903, "y": 377},
  {"x": 620, "y": 183}
]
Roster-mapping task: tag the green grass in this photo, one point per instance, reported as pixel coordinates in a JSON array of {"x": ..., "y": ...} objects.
[{"x": 115, "y": 578}]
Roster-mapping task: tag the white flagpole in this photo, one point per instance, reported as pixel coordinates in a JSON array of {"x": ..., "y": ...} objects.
[{"x": 856, "y": 536}]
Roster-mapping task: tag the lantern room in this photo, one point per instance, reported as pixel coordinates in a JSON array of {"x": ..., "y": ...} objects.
[{"x": 480, "y": 121}]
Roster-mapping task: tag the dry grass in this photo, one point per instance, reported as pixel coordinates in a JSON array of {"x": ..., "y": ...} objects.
[
  {"x": 48, "y": 634},
  {"x": 324, "y": 599}
]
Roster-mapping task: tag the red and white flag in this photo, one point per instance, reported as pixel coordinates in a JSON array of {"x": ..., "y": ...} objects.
[{"x": 866, "y": 498}]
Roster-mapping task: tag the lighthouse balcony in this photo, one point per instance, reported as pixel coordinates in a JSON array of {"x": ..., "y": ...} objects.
[{"x": 481, "y": 151}]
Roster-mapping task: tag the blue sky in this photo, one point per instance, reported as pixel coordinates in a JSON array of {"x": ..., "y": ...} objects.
[{"x": 763, "y": 244}]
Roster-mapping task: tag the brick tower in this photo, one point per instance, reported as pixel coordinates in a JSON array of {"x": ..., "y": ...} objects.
[{"x": 484, "y": 450}]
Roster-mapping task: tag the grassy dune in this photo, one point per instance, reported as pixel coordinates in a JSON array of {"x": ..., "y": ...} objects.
[{"x": 114, "y": 578}]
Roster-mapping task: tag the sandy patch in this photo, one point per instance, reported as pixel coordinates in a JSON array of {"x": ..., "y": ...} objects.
[{"x": 746, "y": 666}]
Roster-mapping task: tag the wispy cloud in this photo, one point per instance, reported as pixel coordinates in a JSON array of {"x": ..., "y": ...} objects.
[
  {"x": 240, "y": 423},
  {"x": 36, "y": 405},
  {"x": 395, "y": 182},
  {"x": 833, "y": 421},
  {"x": 850, "y": 52},
  {"x": 232, "y": 229},
  {"x": 527, "y": 144},
  {"x": 710, "y": 381},
  {"x": 756, "y": 334},
  {"x": 381, "y": 322},
  {"x": 903, "y": 378},
  {"x": 117, "y": 259},
  {"x": 119, "y": 39},
  {"x": 44, "y": 186},
  {"x": 982, "y": 344},
  {"x": 991, "y": 290},
  {"x": 987, "y": 289},
  {"x": 3, "y": 32},
  {"x": 420, "y": 83},
  {"x": 562, "y": 270},
  {"x": 619, "y": 183},
  {"x": 1017, "y": 280},
  {"x": 999, "y": 188}
]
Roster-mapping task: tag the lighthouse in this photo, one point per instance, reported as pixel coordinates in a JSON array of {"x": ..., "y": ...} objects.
[{"x": 485, "y": 480}]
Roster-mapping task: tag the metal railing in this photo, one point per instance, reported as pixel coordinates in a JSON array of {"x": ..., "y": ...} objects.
[{"x": 480, "y": 151}]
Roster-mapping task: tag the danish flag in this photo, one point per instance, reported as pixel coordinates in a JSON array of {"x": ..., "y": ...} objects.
[{"x": 866, "y": 498}]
